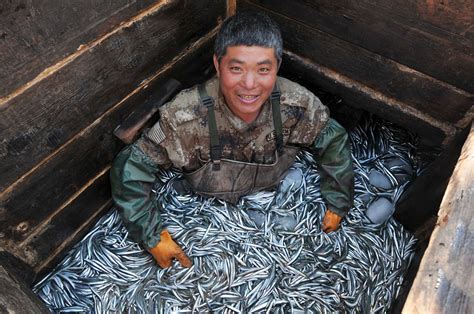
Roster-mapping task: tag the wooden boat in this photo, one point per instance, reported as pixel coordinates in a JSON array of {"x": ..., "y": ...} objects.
[{"x": 71, "y": 72}]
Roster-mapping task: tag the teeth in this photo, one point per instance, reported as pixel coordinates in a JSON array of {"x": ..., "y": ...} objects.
[{"x": 247, "y": 97}]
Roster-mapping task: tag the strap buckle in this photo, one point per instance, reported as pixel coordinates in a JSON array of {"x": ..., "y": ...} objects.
[
  {"x": 216, "y": 164},
  {"x": 275, "y": 95},
  {"x": 216, "y": 157},
  {"x": 207, "y": 102}
]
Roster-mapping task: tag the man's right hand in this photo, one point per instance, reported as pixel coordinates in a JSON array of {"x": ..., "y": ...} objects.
[
  {"x": 166, "y": 250},
  {"x": 331, "y": 221}
]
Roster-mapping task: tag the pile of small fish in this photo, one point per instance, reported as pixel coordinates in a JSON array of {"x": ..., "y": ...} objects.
[{"x": 265, "y": 254}]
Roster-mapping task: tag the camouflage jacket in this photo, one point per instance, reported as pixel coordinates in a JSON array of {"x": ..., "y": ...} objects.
[{"x": 181, "y": 139}]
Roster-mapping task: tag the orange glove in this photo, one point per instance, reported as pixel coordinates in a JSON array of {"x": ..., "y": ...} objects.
[
  {"x": 166, "y": 250},
  {"x": 331, "y": 221}
]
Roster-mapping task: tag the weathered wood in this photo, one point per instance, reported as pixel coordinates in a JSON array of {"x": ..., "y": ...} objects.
[
  {"x": 37, "y": 34},
  {"x": 314, "y": 77},
  {"x": 35, "y": 122},
  {"x": 51, "y": 241},
  {"x": 16, "y": 297},
  {"x": 444, "y": 282},
  {"x": 129, "y": 129},
  {"x": 413, "y": 88},
  {"x": 17, "y": 268},
  {"x": 28, "y": 206},
  {"x": 393, "y": 32},
  {"x": 450, "y": 18}
]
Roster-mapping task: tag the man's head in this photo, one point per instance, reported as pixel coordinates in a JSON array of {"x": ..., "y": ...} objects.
[{"x": 247, "y": 55}]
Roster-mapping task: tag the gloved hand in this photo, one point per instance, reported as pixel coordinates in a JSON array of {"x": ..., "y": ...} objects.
[
  {"x": 331, "y": 221},
  {"x": 166, "y": 250}
]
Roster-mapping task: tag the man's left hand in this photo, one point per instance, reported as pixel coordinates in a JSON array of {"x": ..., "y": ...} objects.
[{"x": 331, "y": 221}]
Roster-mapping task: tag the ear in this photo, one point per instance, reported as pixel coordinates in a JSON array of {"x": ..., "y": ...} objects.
[{"x": 216, "y": 64}]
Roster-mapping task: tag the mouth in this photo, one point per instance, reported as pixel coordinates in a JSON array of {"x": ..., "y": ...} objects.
[{"x": 248, "y": 99}]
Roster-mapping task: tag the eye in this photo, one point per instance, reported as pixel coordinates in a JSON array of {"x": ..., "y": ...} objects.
[
  {"x": 235, "y": 69},
  {"x": 264, "y": 70}
]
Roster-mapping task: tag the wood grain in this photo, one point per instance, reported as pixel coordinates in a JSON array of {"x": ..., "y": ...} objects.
[
  {"x": 390, "y": 78},
  {"x": 314, "y": 77},
  {"x": 36, "y": 34},
  {"x": 34, "y": 123},
  {"x": 16, "y": 297},
  {"x": 444, "y": 282},
  {"x": 432, "y": 38}
]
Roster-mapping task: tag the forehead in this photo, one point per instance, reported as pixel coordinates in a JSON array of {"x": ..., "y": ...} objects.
[{"x": 249, "y": 54}]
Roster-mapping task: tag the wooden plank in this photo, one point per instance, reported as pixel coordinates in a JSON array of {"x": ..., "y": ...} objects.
[
  {"x": 44, "y": 116},
  {"x": 28, "y": 207},
  {"x": 390, "y": 32},
  {"x": 17, "y": 268},
  {"x": 413, "y": 88},
  {"x": 37, "y": 34},
  {"x": 130, "y": 128},
  {"x": 52, "y": 183},
  {"x": 316, "y": 77},
  {"x": 16, "y": 297},
  {"x": 451, "y": 18},
  {"x": 67, "y": 227},
  {"x": 444, "y": 282}
]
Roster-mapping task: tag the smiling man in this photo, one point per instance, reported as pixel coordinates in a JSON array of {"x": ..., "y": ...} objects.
[{"x": 236, "y": 134}]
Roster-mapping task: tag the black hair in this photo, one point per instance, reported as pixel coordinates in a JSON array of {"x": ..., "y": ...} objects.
[{"x": 249, "y": 28}]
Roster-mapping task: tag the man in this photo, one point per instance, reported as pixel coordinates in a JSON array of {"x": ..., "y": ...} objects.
[{"x": 235, "y": 134}]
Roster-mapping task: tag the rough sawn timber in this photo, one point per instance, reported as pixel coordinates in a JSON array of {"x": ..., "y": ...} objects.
[
  {"x": 444, "y": 282},
  {"x": 36, "y": 34},
  {"x": 44, "y": 116},
  {"x": 401, "y": 31}
]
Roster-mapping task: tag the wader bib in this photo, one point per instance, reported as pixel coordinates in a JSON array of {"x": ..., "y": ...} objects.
[{"x": 230, "y": 179}]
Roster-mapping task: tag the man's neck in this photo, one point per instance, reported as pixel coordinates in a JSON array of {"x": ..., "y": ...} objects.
[{"x": 247, "y": 118}]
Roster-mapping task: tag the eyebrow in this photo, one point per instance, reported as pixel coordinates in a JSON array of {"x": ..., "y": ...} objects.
[
  {"x": 235, "y": 60},
  {"x": 265, "y": 62}
]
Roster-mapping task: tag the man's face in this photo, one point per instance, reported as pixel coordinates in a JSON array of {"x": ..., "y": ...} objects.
[{"x": 247, "y": 75}]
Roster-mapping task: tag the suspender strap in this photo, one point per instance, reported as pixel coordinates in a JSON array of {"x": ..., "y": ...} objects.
[
  {"x": 275, "y": 99},
  {"x": 216, "y": 150}
]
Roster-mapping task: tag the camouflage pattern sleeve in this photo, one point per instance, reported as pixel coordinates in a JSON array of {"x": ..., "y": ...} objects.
[
  {"x": 303, "y": 107},
  {"x": 178, "y": 130},
  {"x": 333, "y": 155}
]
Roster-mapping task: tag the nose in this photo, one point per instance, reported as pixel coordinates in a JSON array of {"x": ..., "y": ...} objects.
[{"x": 249, "y": 80}]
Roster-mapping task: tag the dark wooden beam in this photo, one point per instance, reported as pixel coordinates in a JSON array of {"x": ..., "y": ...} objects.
[
  {"x": 414, "y": 89},
  {"x": 450, "y": 19},
  {"x": 130, "y": 128},
  {"x": 316, "y": 77},
  {"x": 68, "y": 226},
  {"x": 36, "y": 34},
  {"x": 16, "y": 296},
  {"x": 46, "y": 115},
  {"x": 417, "y": 34}
]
